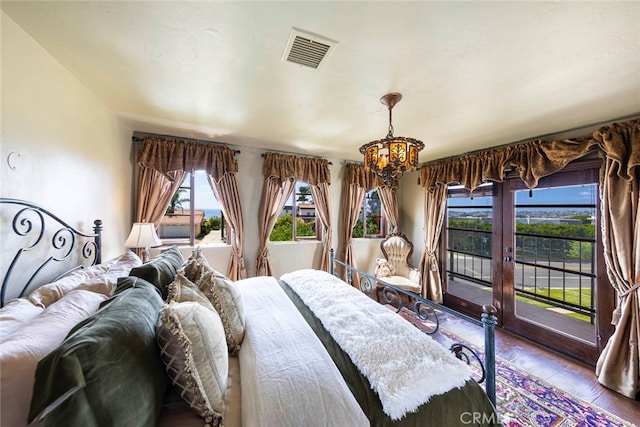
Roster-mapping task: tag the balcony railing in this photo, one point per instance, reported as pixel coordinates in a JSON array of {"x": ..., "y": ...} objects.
[{"x": 541, "y": 265}]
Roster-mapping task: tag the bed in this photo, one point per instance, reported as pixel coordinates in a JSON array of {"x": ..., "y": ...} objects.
[{"x": 172, "y": 342}]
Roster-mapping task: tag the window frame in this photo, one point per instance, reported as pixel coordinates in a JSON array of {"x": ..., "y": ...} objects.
[
  {"x": 191, "y": 240},
  {"x": 362, "y": 215}
]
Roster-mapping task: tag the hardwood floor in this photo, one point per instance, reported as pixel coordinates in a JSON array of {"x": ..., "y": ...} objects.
[{"x": 558, "y": 370}]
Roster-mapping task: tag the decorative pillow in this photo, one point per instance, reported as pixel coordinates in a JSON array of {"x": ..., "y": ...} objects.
[
  {"x": 108, "y": 370},
  {"x": 14, "y": 314},
  {"x": 196, "y": 266},
  {"x": 193, "y": 348},
  {"x": 21, "y": 352},
  {"x": 101, "y": 278},
  {"x": 184, "y": 290},
  {"x": 225, "y": 297},
  {"x": 160, "y": 270},
  {"x": 383, "y": 268}
]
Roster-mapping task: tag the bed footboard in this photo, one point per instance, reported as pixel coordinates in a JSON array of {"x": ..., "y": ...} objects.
[{"x": 425, "y": 310}]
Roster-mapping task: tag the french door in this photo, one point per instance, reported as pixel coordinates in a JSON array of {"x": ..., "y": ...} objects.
[{"x": 546, "y": 271}]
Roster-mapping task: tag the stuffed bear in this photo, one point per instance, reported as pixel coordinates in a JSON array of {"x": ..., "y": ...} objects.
[{"x": 383, "y": 268}]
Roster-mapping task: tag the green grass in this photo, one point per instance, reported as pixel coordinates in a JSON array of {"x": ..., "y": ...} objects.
[{"x": 570, "y": 295}]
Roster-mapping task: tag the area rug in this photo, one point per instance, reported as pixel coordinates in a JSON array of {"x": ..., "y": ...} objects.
[{"x": 526, "y": 400}]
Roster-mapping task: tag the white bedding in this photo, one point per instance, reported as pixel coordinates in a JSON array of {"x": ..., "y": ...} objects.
[
  {"x": 403, "y": 365},
  {"x": 287, "y": 377}
]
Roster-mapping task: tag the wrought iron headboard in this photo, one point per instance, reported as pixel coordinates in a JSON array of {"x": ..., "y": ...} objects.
[{"x": 36, "y": 247}]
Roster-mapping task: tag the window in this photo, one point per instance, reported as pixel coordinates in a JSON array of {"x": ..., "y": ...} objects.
[
  {"x": 194, "y": 216},
  {"x": 301, "y": 207},
  {"x": 372, "y": 215},
  {"x": 469, "y": 242}
]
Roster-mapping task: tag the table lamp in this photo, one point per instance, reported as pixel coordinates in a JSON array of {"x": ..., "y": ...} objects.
[{"x": 143, "y": 235}]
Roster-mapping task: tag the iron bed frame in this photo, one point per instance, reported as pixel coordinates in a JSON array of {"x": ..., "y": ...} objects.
[
  {"x": 425, "y": 310},
  {"x": 40, "y": 229}
]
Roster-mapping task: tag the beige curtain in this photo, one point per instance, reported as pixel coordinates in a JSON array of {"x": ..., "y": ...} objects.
[
  {"x": 322, "y": 200},
  {"x": 155, "y": 190},
  {"x": 281, "y": 171},
  {"x": 163, "y": 164},
  {"x": 275, "y": 193},
  {"x": 434, "y": 210},
  {"x": 226, "y": 191},
  {"x": 618, "y": 366},
  {"x": 354, "y": 188},
  {"x": 389, "y": 199},
  {"x": 169, "y": 154}
]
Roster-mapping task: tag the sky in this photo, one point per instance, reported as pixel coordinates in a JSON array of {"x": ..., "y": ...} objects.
[{"x": 579, "y": 194}]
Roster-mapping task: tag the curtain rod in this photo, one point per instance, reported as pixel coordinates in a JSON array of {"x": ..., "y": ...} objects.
[
  {"x": 135, "y": 138},
  {"x": 294, "y": 154},
  {"x": 510, "y": 144}
]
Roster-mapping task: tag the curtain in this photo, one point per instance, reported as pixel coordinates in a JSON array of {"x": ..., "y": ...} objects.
[
  {"x": 619, "y": 363},
  {"x": 163, "y": 164},
  {"x": 434, "y": 210},
  {"x": 169, "y": 154},
  {"x": 275, "y": 193},
  {"x": 281, "y": 171},
  {"x": 322, "y": 200},
  {"x": 226, "y": 191},
  {"x": 389, "y": 199},
  {"x": 354, "y": 189},
  {"x": 618, "y": 366},
  {"x": 154, "y": 193},
  {"x": 155, "y": 190}
]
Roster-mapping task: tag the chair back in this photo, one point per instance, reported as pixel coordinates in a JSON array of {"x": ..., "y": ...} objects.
[{"x": 397, "y": 249}]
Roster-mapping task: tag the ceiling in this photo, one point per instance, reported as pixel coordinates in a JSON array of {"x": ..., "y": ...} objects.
[{"x": 472, "y": 74}]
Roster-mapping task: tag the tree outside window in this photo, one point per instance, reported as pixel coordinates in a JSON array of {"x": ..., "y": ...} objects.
[
  {"x": 372, "y": 215},
  {"x": 301, "y": 207}
]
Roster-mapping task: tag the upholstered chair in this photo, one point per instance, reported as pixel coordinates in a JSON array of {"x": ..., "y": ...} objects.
[{"x": 397, "y": 270}]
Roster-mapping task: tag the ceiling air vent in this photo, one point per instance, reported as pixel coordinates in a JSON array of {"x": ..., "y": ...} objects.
[{"x": 308, "y": 49}]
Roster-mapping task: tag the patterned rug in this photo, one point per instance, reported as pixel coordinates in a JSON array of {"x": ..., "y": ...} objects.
[{"x": 524, "y": 400}]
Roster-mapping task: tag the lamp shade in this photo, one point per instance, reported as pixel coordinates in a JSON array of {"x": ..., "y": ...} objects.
[{"x": 143, "y": 235}]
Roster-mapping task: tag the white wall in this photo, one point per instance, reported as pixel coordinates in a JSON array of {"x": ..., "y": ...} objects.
[
  {"x": 74, "y": 156},
  {"x": 71, "y": 154}
]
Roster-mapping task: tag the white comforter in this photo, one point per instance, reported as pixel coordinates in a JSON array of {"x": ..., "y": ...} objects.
[
  {"x": 403, "y": 365},
  {"x": 287, "y": 377}
]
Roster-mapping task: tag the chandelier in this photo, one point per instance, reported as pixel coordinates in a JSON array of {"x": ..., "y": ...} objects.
[{"x": 392, "y": 156}]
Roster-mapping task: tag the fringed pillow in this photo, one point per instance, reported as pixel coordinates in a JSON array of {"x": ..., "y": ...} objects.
[
  {"x": 194, "y": 350},
  {"x": 184, "y": 290},
  {"x": 225, "y": 297},
  {"x": 196, "y": 265}
]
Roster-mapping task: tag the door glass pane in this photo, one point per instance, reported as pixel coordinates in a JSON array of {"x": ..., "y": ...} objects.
[
  {"x": 554, "y": 261},
  {"x": 469, "y": 226}
]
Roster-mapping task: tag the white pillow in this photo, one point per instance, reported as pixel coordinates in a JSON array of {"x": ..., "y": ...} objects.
[
  {"x": 225, "y": 298},
  {"x": 25, "y": 347},
  {"x": 193, "y": 348},
  {"x": 101, "y": 278},
  {"x": 14, "y": 314}
]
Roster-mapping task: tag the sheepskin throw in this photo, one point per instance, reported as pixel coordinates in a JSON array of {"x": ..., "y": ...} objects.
[{"x": 404, "y": 366}]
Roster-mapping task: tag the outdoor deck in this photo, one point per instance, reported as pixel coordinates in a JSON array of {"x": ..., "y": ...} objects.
[{"x": 552, "y": 318}]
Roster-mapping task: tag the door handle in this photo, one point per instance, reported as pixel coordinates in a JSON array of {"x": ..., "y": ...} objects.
[{"x": 508, "y": 259}]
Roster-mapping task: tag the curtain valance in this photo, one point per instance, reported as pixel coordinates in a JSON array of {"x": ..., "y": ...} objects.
[
  {"x": 284, "y": 166},
  {"x": 355, "y": 173},
  {"x": 167, "y": 155},
  {"x": 536, "y": 159}
]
